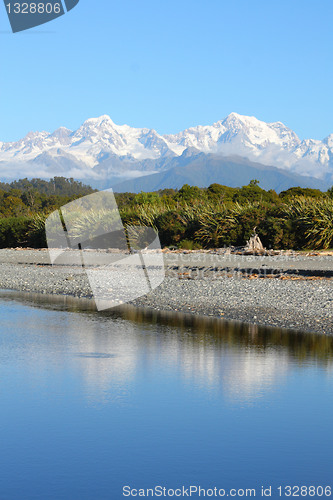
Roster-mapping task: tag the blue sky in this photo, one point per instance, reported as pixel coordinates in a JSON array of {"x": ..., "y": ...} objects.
[{"x": 171, "y": 65}]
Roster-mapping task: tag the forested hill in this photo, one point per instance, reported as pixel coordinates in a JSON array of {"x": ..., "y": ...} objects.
[{"x": 59, "y": 186}]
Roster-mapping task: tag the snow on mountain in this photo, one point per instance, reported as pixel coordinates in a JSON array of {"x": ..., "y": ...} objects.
[
  {"x": 269, "y": 143},
  {"x": 100, "y": 146},
  {"x": 98, "y": 135},
  {"x": 246, "y": 132},
  {"x": 95, "y": 136}
]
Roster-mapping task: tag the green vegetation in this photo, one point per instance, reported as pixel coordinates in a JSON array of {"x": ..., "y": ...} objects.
[
  {"x": 222, "y": 216},
  {"x": 188, "y": 218},
  {"x": 25, "y": 204}
]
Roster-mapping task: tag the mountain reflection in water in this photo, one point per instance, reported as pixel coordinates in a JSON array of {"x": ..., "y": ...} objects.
[{"x": 110, "y": 349}]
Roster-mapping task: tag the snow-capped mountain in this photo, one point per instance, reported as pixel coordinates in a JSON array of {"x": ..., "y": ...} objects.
[
  {"x": 268, "y": 143},
  {"x": 101, "y": 149}
]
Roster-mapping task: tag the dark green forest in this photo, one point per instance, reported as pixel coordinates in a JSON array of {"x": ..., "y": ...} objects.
[{"x": 189, "y": 218}]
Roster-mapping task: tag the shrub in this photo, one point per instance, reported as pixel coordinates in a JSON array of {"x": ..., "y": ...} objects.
[
  {"x": 314, "y": 220},
  {"x": 172, "y": 228},
  {"x": 217, "y": 229},
  {"x": 14, "y": 232}
]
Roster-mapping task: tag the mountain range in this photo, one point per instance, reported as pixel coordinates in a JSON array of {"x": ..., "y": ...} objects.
[{"x": 230, "y": 151}]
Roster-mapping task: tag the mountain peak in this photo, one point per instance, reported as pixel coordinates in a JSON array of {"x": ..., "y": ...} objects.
[
  {"x": 240, "y": 118},
  {"x": 237, "y": 116},
  {"x": 102, "y": 145},
  {"x": 61, "y": 132},
  {"x": 329, "y": 141},
  {"x": 100, "y": 120}
]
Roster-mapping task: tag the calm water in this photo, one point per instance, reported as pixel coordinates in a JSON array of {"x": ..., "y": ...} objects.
[{"x": 91, "y": 402}]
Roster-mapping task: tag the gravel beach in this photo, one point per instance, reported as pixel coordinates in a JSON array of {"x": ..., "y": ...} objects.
[{"x": 286, "y": 291}]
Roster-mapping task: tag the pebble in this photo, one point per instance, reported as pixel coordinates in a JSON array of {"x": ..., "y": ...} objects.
[{"x": 303, "y": 305}]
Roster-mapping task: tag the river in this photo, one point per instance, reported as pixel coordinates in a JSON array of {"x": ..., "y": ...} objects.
[{"x": 91, "y": 403}]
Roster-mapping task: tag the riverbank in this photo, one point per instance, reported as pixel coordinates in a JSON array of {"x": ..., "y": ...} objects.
[{"x": 286, "y": 291}]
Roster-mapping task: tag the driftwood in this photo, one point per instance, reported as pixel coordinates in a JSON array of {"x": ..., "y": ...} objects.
[{"x": 254, "y": 244}]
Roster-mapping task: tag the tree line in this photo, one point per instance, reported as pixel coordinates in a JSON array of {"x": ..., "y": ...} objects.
[{"x": 189, "y": 218}]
